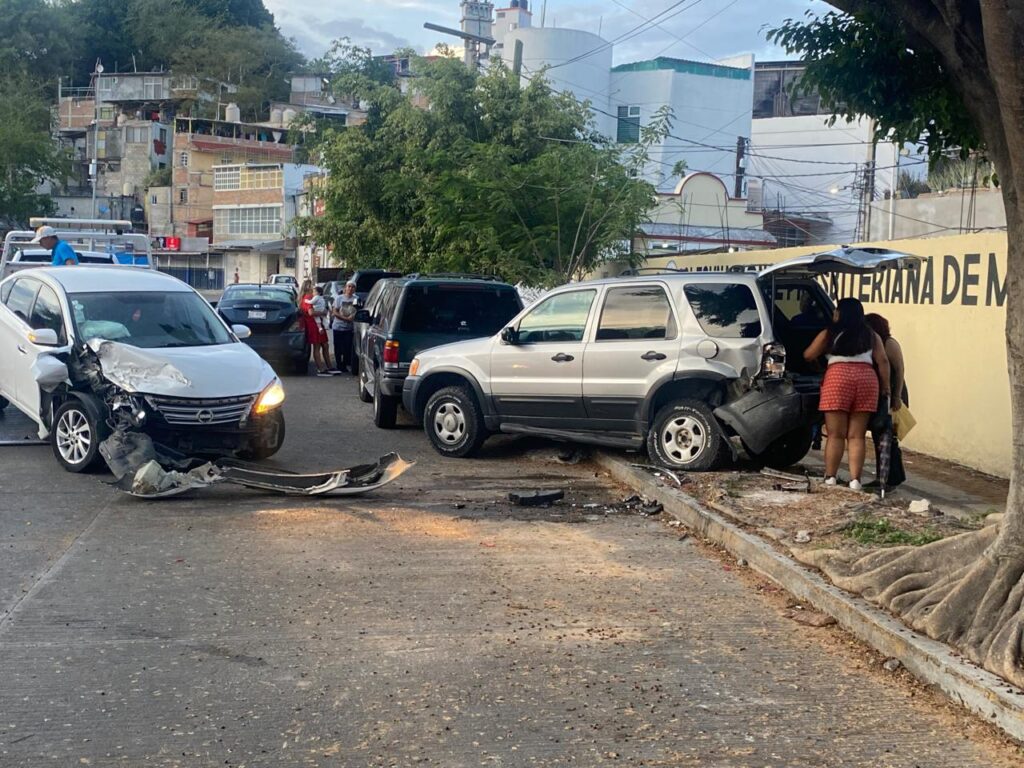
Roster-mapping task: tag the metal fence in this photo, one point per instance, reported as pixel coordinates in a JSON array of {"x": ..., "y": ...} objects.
[{"x": 200, "y": 278}]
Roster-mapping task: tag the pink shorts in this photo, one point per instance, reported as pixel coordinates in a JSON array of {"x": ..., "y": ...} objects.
[{"x": 849, "y": 388}]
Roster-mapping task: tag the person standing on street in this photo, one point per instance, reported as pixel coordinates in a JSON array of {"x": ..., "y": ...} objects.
[
  {"x": 850, "y": 390},
  {"x": 342, "y": 313},
  {"x": 900, "y": 399},
  {"x": 313, "y": 310},
  {"x": 63, "y": 254}
]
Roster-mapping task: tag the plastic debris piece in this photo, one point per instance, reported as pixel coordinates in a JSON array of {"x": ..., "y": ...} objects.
[
  {"x": 535, "y": 498},
  {"x": 802, "y": 537},
  {"x": 920, "y": 506}
]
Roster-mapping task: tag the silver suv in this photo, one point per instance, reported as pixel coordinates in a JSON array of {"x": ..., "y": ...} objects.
[{"x": 692, "y": 365}]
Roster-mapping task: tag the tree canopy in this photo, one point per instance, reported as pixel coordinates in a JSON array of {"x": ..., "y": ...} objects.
[{"x": 478, "y": 173}]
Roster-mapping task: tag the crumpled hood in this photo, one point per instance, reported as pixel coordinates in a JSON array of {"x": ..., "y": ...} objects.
[{"x": 221, "y": 370}]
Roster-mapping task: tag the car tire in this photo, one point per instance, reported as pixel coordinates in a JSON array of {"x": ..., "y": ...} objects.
[
  {"x": 789, "y": 449},
  {"x": 454, "y": 422},
  {"x": 364, "y": 395},
  {"x": 686, "y": 436},
  {"x": 274, "y": 431},
  {"x": 385, "y": 407},
  {"x": 78, "y": 429}
]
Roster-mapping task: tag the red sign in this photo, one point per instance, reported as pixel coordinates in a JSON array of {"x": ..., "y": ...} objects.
[{"x": 172, "y": 243}]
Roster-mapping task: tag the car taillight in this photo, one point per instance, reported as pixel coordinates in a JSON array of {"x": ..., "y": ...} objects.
[
  {"x": 773, "y": 361},
  {"x": 390, "y": 353}
]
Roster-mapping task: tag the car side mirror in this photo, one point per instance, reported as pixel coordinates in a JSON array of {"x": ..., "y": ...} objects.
[
  {"x": 44, "y": 337},
  {"x": 510, "y": 335},
  {"x": 241, "y": 331},
  {"x": 363, "y": 316}
]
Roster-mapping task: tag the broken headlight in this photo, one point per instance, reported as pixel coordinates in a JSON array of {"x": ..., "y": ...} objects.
[{"x": 270, "y": 398}]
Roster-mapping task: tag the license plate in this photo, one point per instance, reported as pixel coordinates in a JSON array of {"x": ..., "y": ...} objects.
[{"x": 257, "y": 314}]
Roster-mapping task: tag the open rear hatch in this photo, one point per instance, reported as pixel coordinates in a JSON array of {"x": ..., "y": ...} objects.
[{"x": 845, "y": 260}]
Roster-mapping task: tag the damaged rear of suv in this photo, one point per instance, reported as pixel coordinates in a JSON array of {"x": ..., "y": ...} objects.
[
  {"x": 90, "y": 351},
  {"x": 692, "y": 366}
]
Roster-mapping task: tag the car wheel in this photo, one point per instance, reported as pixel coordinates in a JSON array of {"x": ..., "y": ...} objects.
[
  {"x": 271, "y": 438},
  {"x": 789, "y": 449},
  {"x": 685, "y": 435},
  {"x": 385, "y": 407},
  {"x": 364, "y": 395},
  {"x": 454, "y": 422},
  {"x": 78, "y": 429}
]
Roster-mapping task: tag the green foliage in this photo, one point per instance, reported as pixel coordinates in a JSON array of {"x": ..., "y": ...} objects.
[
  {"x": 877, "y": 531},
  {"x": 158, "y": 177},
  {"x": 36, "y": 40},
  {"x": 864, "y": 64},
  {"x": 28, "y": 156},
  {"x": 478, "y": 173}
]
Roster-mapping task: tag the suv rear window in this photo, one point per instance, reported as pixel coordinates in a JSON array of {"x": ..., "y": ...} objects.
[
  {"x": 725, "y": 310},
  {"x": 450, "y": 309}
]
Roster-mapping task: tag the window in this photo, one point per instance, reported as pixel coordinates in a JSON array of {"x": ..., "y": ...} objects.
[
  {"x": 152, "y": 199},
  {"x": 136, "y": 135},
  {"x": 19, "y": 301},
  {"x": 153, "y": 88},
  {"x": 148, "y": 319},
  {"x": 106, "y": 113},
  {"x": 46, "y": 313},
  {"x": 163, "y": 136},
  {"x": 262, "y": 220},
  {"x": 801, "y": 306},
  {"x": 724, "y": 310},
  {"x": 247, "y": 177},
  {"x": 226, "y": 179},
  {"x": 638, "y": 313},
  {"x": 559, "y": 318},
  {"x": 183, "y": 195},
  {"x": 629, "y": 125},
  {"x": 183, "y": 159},
  {"x": 458, "y": 310}
]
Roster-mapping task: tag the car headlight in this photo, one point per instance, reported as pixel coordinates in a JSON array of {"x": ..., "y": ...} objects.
[
  {"x": 414, "y": 366},
  {"x": 270, "y": 398}
]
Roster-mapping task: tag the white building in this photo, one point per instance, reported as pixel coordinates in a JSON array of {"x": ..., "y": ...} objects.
[{"x": 711, "y": 102}]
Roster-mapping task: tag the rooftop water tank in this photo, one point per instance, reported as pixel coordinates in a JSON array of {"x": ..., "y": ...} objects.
[
  {"x": 276, "y": 116},
  {"x": 289, "y": 117},
  {"x": 232, "y": 113}
]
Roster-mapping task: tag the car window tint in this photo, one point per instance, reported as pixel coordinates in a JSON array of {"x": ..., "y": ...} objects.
[
  {"x": 641, "y": 312},
  {"x": 469, "y": 310},
  {"x": 725, "y": 310},
  {"x": 256, "y": 294},
  {"x": 20, "y": 299},
  {"x": 5, "y": 291},
  {"x": 373, "y": 299},
  {"x": 558, "y": 318},
  {"x": 46, "y": 313}
]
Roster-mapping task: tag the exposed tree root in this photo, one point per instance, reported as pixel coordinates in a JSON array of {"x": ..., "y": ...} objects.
[{"x": 967, "y": 590}]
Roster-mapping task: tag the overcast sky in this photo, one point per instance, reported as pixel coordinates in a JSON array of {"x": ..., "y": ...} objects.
[{"x": 697, "y": 29}]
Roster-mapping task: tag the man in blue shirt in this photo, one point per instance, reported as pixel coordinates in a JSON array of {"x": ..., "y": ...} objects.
[{"x": 63, "y": 254}]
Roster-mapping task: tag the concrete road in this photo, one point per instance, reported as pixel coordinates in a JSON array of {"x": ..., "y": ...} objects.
[{"x": 429, "y": 624}]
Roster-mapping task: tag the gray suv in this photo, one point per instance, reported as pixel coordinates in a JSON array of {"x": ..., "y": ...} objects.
[{"x": 691, "y": 365}]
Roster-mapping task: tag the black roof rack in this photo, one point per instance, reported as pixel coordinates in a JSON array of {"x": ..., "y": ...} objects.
[
  {"x": 453, "y": 275},
  {"x": 638, "y": 271}
]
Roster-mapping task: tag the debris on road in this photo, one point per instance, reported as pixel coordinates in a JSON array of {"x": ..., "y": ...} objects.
[
  {"x": 802, "y": 537},
  {"x": 153, "y": 481},
  {"x": 663, "y": 472},
  {"x": 535, "y": 498},
  {"x": 794, "y": 483},
  {"x": 920, "y": 507},
  {"x": 809, "y": 618},
  {"x": 891, "y": 665}
]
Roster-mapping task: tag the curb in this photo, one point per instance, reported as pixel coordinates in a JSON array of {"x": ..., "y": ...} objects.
[{"x": 932, "y": 662}]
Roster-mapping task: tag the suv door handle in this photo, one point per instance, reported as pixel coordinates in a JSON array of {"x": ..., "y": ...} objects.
[
  {"x": 652, "y": 355},
  {"x": 22, "y": 350},
  {"x": 561, "y": 357}
]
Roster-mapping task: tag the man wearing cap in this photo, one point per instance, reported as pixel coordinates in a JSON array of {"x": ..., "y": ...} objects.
[{"x": 62, "y": 252}]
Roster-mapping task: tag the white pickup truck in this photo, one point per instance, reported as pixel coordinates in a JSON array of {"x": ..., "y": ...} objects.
[{"x": 95, "y": 241}]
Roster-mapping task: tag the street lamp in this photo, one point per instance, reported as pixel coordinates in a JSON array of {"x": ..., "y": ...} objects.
[{"x": 94, "y": 166}]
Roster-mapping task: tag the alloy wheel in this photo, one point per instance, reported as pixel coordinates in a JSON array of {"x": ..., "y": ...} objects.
[
  {"x": 683, "y": 439},
  {"x": 450, "y": 423},
  {"x": 74, "y": 436}
]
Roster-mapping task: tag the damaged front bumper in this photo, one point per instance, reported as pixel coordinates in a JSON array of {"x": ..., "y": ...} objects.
[{"x": 767, "y": 412}]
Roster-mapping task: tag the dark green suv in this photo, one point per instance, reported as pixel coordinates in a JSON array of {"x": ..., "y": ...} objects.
[{"x": 405, "y": 316}]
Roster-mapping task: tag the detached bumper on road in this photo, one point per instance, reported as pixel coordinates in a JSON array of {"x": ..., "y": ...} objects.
[{"x": 763, "y": 415}]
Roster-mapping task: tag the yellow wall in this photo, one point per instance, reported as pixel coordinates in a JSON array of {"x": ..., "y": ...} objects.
[{"x": 953, "y": 339}]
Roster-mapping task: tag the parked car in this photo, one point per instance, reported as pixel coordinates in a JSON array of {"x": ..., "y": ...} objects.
[
  {"x": 269, "y": 311},
  {"x": 692, "y": 365},
  {"x": 407, "y": 315},
  {"x": 365, "y": 279},
  {"x": 94, "y": 242},
  {"x": 84, "y": 347}
]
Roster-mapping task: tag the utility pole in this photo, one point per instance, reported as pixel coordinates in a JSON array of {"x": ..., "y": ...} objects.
[
  {"x": 94, "y": 166},
  {"x": 477, "y": 18},
  {"x": 741, "y": 166}
]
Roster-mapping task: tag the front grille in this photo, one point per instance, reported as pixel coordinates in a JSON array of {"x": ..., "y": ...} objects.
[{"x": 181, "y": 411}]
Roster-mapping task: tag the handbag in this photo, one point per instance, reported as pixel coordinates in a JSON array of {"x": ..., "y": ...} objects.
[{"x": 903, "y": 421}]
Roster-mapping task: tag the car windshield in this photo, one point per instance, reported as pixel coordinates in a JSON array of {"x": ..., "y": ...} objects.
[
  {"x": 257, "y": 294},
  {"x": 150, "y": 319},
  {"x": 458, "y": 309}
]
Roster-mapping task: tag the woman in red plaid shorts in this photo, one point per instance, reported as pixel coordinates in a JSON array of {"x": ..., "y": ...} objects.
[{"x": 849, "y": 393}]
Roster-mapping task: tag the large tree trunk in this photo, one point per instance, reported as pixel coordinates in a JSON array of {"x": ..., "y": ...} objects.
[{"x": 969, "y": 590}]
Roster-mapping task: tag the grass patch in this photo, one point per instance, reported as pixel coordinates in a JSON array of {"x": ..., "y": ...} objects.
[{"x": 880, "y": 532}]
